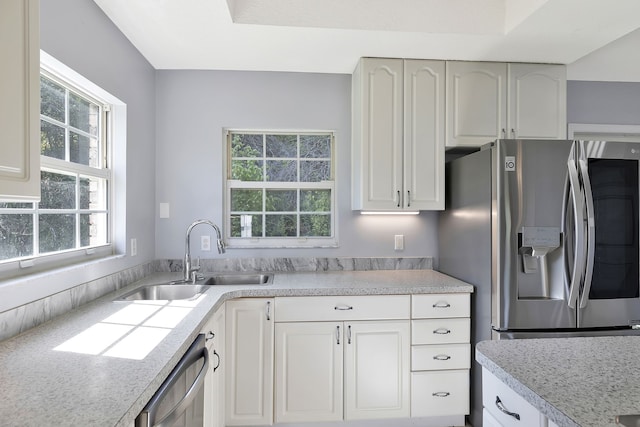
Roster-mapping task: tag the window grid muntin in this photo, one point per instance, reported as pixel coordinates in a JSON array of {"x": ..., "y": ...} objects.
[
  {"x": 79, "y": 171},
  {"x": 265, "y": 185}
]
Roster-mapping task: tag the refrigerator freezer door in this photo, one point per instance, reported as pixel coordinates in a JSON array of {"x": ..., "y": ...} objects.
[{"x": 529, "y": 188}]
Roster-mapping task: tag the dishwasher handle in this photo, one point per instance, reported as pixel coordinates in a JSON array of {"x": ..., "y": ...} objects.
[{"x": 195, "y": 352}]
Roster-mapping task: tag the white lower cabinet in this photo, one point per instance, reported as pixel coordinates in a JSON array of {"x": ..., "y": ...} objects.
[
  {"x": 440, "y": 356},
  {"x": 504, "y": 407},
  {"x": 249, "y": 356},
  {"x": 214, "y": 386},
  {"x": 309, "y": 364},
  {"x": 334, "y": 369}
]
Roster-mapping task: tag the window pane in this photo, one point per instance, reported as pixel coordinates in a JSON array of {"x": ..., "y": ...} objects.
[
  {"x": 315, "y": 225},
  {"x": 282, "y": 171},
  {"x": 246, "y": 145},
  {"x": 83, "y": 150},
  {"x": 13, "y": 205},
  {"x": 280, "y": 226},
  {"x": 57, "y": 232},
  {"x": 246, "y": 170},
  {"x": 83, "y": 114},
  {"x": 246, "y": 200},
  {"x": 51, "y": 140},
  {"x": 57, "y": 191},
  {"x": 16, "y": 235},
  {"x": 246, "y": 225},
  {"x": 93, "y": 193},
  {"x": 315, "y": 171},
  {"x": 51, "y": 99},
  {"x": 315, "y": 200},
  {"x": 281, "y": 200},
  {"x": 315, "y": 146},
  {"x": 282, "y": 146},
  {"x": 93, "y": 229}
]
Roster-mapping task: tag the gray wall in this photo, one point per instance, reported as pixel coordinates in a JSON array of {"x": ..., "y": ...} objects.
[
  {"x": 193, "y": 107},
  {"x": 615, "y": 103},
  {"x": 77, "y": 33}
]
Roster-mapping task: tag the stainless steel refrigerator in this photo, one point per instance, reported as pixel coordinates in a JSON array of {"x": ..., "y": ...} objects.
[{"x": 548, "y": 232}]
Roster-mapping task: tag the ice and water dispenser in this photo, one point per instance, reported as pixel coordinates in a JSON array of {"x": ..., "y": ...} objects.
[{"x": 540, "y": 263}]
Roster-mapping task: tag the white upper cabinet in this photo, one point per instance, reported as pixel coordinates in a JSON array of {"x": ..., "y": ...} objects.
[
  {"x": 537, "y": 101},
  {"x": 490, "y": 100},
  {"x": 398, "y": 135},
  {"x": 476, "y": 103},
  {"x": 20, "y": 100}
]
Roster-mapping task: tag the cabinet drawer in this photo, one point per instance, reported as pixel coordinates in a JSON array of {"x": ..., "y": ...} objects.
[
  {"x": 439, "y": 393},
  {"x": 494, "y": 389},
  {"x": 440, "y": 305},
  {"x": 440, "y": 331},
  {"x": 438, "y": 357},
  {"x": 337, "y": 308}
]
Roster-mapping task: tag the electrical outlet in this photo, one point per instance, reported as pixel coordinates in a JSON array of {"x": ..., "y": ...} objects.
[
  {"x": 399, "y": 242},
  {"x": 134, "y": 247},
  {"x": 205, "y": 243}
]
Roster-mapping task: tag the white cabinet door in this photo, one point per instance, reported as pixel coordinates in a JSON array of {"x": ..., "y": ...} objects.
[
  {"x": 537, "y": 101},
  {"x": 214, "y": 388},
  {"x": 308, "y": 371},
  {"x": 377, "y": 372},
  {"x": 377, "y": 134},
  {"x": 20, "y": 100},
  {"x": 476, "y": 103},
  {"x": 249, "y": 357},
  {"x": 398, "y": 134},
  {"x": 424, "y": 133}
]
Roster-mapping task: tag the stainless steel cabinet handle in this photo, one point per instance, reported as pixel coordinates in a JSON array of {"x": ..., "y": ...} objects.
[
  {"x": 504, "y": 133},
  {"x": 218, "y": 364},
  {"x": 338, "y": 335},
  {"x": 343, "y": 307},
  {"x": 441, "y": 304},
  {"x": 408, "y": 198},
  {"x": 268, "y": 310},
  {"x": 398, "y": 198},
  {"x": 210, "y": 336},
  {"x": 441, "y": 394},
  {"x": 441, "y": 357},
  {"x": 349, "y": 334},
  {"x": 442, "y": 331},
  {"x": 502, "y": 408},
  {"x": 513, "y": 133}
]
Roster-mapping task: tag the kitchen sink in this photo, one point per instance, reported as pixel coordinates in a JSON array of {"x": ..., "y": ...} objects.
[
  {"x": 164, "y": 292},
  {"x": 240, "y": 279}
]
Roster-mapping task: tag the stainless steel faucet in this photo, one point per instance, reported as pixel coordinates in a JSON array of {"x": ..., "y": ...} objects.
[{"x": 190, "y": 272}]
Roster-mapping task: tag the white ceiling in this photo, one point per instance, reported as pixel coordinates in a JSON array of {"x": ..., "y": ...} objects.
[{"x": 328, "y": 36}]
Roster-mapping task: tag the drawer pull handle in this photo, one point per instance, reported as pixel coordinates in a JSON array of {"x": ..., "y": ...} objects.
[
  {"x": 441, "y": 394},
  {"x": 441, "y": 304},
  {"x": 343, "y": 307},
  {"x": 502, "y": 408},
  {"x": 441, "y": 357},
  {"x": 442, "y": 331}
]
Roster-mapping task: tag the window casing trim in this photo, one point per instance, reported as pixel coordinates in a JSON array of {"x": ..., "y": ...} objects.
[{"x": 278, "y": 242}]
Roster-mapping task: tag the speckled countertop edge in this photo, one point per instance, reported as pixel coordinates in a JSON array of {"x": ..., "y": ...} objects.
[
  {"x": 582, "y": 382},
  {"x": 41, "y": 384}
]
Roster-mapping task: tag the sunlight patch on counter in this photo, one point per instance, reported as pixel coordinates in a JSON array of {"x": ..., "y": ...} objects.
[{"x": 133, "y": 331}]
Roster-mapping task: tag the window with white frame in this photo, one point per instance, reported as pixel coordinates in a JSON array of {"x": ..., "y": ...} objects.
[
  {"x": 280, "y": 189},
  {"x": 73, "y": 215}
]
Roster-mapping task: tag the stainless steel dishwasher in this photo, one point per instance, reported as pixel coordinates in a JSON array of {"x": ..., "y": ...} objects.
[{"x": 179, "y": 402}]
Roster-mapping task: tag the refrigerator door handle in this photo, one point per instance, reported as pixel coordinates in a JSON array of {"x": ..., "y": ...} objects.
[
  {"x": 578, "y": 207},
  {"x": 591, "y": 233}
]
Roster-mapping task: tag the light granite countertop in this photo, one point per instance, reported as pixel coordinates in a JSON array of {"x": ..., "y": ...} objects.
[
  {"x": 573, "y": 381},
  {"x": 69, "y": 372}
]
